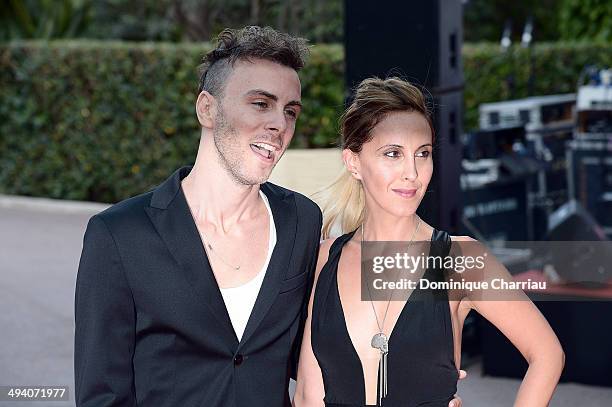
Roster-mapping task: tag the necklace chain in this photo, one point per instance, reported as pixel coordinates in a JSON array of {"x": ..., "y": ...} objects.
[
  {"x": 208, "y": 246},
  {"x": 380, "y": 327}
]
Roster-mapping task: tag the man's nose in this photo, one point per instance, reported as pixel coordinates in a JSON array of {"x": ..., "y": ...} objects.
[{"x": 277, "y": 122}]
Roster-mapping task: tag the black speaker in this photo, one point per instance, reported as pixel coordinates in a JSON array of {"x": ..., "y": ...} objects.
[
  {"x": 419, "y": 41},
  {"x": 441, "y": 205},
  {"x": 572, "y": 222},
  {"x": 590, "y": 176},
  {"x": 585, "y": 257},
  {"x": 497, "y": 209}
]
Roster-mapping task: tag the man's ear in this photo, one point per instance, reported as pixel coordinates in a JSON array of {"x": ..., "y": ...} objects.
[
  {"x": 206, "y": 109},
  {"x": 351, "y": 162}
]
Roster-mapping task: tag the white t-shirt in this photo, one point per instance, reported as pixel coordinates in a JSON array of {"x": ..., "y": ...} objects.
[{"x": 240, "y": 300}]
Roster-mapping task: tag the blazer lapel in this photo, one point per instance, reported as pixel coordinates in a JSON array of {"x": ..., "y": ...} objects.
[
  {"x": 173, "y": 221},
  {"x": 283, "y": 210}
]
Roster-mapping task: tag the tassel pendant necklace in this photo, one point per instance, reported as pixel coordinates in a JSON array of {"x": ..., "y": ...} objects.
[{"x": 380, "y": 340}]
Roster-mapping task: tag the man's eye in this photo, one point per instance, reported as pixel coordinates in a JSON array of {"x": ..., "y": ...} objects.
[
  {"x": 423, "y": 154},
  {"x": 261, "y": 105},
  {"x": 291, "y": 113},
  {"x": 392, "y": 154}
]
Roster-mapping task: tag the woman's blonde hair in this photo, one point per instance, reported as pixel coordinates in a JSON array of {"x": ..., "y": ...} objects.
[{"x": 343, "y": 201}]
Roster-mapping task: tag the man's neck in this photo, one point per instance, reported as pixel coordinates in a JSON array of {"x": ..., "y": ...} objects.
[{"x": 215, "y": 197}]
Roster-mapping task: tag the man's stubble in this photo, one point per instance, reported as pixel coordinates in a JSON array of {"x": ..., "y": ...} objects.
[{"x": 225, "y": 137}]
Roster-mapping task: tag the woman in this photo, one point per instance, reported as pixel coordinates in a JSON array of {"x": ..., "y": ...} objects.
[{"x": 349, "y": 356}]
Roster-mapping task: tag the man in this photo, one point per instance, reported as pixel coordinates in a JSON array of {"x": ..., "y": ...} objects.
[{"x": 194, "y": 294}]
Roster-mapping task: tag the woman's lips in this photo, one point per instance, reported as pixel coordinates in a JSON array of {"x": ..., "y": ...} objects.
[{"x": 405, "y": 193}]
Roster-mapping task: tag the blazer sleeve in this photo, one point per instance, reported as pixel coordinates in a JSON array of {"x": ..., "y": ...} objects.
[
  {"x": 104, "y": 324},
  {"x": 312, "y": 264}
]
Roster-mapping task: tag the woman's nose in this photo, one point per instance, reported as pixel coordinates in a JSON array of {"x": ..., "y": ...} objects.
[{"x": 410, "y": 171}]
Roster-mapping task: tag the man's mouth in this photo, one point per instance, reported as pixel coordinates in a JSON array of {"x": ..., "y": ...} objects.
[{"x": 264, "y": 150}]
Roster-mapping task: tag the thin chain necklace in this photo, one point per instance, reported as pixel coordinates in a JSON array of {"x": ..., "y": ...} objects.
[
  {"x": 380, "y": 340},
  {"x": 208, "y": 246}
]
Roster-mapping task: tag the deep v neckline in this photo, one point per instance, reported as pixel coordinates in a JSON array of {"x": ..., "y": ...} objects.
[{"x": 343, "y": 316}]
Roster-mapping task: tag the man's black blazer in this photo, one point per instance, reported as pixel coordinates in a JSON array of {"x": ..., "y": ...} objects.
[{"x": 151, "y": 325}]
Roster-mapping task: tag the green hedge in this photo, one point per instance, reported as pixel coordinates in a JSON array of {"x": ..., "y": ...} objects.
[{"x": 103, "y": 121}]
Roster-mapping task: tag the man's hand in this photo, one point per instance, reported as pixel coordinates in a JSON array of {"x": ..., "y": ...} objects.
[{"x": 456, "y": 402}]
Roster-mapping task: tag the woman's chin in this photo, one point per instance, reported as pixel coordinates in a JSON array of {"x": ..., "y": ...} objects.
[{"x": 402, "y": 212}]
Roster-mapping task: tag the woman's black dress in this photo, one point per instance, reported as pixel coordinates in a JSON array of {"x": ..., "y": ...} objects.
[{"x": 421, "y": 368}]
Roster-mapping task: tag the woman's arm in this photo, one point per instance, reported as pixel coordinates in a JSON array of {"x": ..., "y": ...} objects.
[
  {"x": 309, "y": 391},
  {"x": 521, "y": 322}
]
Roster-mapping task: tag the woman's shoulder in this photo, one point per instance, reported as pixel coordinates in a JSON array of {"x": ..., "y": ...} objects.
[
  {"x": 466, "y": 246},
  {"x": 325, "y": 246},
  {"x": 462, "y": 239},
  {"x": 324, "y": 249},
  {"x": 428, "y": 230}
]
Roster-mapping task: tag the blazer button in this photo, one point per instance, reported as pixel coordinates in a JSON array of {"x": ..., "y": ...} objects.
[{"x": 238, "y": 359}]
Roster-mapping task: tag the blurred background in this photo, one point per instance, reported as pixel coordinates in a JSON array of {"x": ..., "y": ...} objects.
[{"x": 97, "y": 105}]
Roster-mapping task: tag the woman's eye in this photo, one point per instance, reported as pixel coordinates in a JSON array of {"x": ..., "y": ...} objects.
[
  {"x": 423, "y": 154},
  {"x": 392, "y": 154}
]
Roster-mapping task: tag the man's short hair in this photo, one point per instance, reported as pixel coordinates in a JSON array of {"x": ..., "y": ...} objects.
[{"x": 246, "y": 44}]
